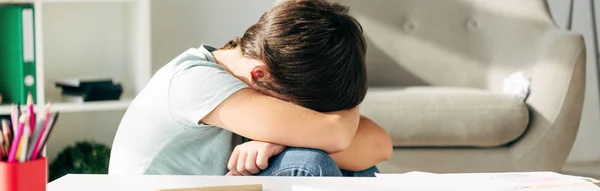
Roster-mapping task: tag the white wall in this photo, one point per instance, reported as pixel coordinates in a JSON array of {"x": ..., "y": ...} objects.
[
  {"x": 586, "y": 144},
  {"x": 76, "y": 47},
  {"x": 100, "y": 50},
  {"x": 181, "y": 24},
  {"x": 176, "y": 26}
]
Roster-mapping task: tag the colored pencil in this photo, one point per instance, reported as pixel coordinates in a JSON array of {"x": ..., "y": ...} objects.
[
  {"x": 36, "y": 137},
  {"x": 45, "y": 136},
  {"x": 2, "y": 151},
  {"x": 24, "y": 142},
  {"x": 14, "y": 117},
  {"x": 17, "y": 139},
  {"x": 7, "y": 136},
  {"x": 31, "y": 112},
  {"x": 20, "y": 150}
]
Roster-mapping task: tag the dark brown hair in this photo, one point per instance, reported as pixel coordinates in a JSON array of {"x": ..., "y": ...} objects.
[{"x": 314, "y": 52}]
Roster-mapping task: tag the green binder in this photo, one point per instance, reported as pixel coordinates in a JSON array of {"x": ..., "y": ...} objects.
[{"x": 17, "y": 53}]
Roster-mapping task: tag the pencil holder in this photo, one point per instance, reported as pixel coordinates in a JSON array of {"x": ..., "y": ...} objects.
[{"x": 26, "y": 176}]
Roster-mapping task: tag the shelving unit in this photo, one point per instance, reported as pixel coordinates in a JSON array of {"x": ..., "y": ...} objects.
[
  {"x": 90, "y": 38},
  {"x": 81, "y": 107}
]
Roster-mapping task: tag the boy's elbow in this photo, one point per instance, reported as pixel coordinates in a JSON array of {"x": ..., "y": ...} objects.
[
  {"x": 340, "y": 135},
  {"x": 387, "y": 146},
  {"x": 339, "y": 144},
  {"x": 388, "y": 150}
]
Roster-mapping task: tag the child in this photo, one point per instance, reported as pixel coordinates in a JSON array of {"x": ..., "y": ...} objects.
[{"x": 294, "y": 79}]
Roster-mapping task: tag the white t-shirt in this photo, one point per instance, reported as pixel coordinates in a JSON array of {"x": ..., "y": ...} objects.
[{"x": 160, "y": 132}]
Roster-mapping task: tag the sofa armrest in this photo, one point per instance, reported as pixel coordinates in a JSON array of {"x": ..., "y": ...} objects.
[
  {"x": 555, "y": 103},
  {"x": 429, "y": 116}
]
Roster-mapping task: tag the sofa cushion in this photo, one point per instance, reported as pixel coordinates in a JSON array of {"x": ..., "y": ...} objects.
[{"x": 446, "y": 116}]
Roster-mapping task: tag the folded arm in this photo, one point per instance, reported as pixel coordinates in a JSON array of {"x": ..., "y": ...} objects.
[
  {"x": 263, "y": 118},
  {"x": 203, "y": 92},
  {"x": 370, "y": 146}
]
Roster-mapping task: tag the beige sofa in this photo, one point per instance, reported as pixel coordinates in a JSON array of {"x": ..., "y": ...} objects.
[{"x": 436, "y": 71}]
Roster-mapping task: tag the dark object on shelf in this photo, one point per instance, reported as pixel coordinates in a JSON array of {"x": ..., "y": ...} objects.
[
  {"x": 93, "y": 93},
  {"x": 91, "y": 90},
  {"x": 85, "y": 157},
  {"x": 83, "y": 83}
]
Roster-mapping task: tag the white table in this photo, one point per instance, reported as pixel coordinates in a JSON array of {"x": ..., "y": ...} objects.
[{"x": 153, "y": 183}]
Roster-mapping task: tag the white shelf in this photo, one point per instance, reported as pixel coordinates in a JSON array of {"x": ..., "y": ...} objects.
[
  {"x": 5, "y": 110},
  {"x": 92, "y": 106},
  {"x": 80, "y": 107}
]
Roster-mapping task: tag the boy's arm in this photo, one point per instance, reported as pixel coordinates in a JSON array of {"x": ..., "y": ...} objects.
[
  {"x": 263, "y": 118},
  {"x": 370, "y": 146}
]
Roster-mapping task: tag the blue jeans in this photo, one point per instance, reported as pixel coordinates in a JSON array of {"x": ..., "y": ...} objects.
[{"x": 309, "y": 162}]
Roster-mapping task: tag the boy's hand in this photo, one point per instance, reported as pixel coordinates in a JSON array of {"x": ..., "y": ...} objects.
[{"x": 252, "y": 157}]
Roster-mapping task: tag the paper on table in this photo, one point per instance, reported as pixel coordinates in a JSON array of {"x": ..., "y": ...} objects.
[
  {"x": 381, "y": 186},
  {"x": 495, "y": 181},
  {"x": 374, "y": 184},
  {"x": 431, "y": 181},
  {"x": 306, "y": 188},
  {"x": 546, "y": 180}
]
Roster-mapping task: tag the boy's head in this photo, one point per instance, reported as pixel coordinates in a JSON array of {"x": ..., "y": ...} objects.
[{"x": 313, "y": 54}]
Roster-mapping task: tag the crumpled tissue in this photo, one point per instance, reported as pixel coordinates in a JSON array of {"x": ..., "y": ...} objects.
[{"x": 517, "y": 85}]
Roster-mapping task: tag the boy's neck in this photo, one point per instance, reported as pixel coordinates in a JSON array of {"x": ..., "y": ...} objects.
[{"x": 233, "y": 62}]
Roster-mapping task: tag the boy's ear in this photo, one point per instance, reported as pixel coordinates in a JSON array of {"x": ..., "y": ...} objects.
[{"x": 258, "y": 73}]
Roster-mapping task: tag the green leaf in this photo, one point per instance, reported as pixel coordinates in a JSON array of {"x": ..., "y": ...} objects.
[{"x": 85, "y": 157}]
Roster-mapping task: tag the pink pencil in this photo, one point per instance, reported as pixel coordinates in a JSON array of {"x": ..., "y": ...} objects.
[
  {"x": 31, "y": 112},
  {"x": 17, "y": 140}
]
